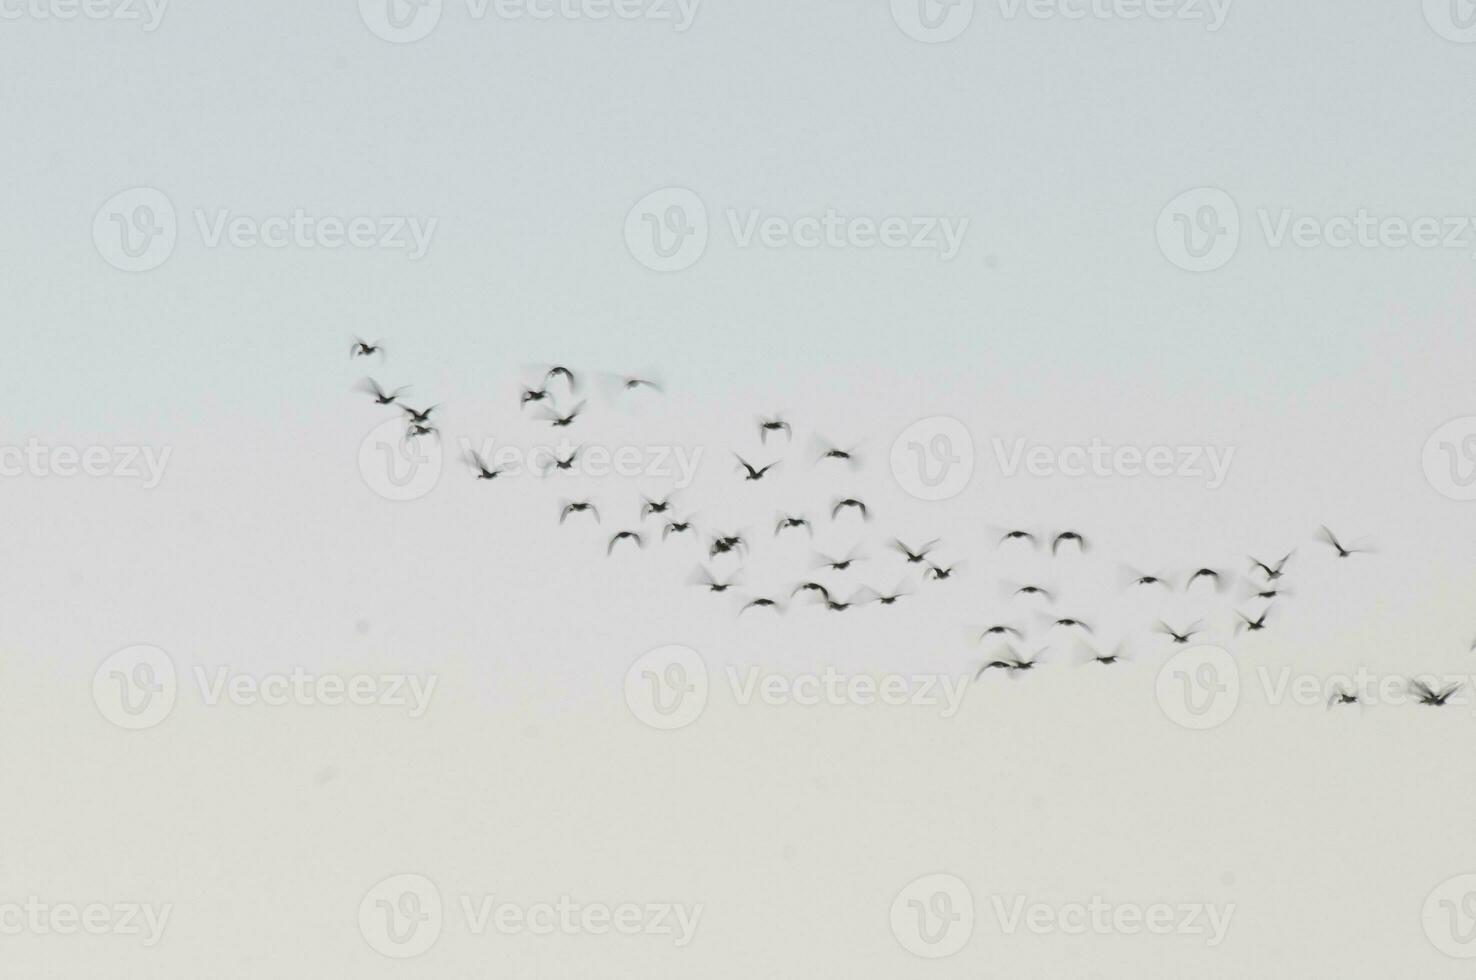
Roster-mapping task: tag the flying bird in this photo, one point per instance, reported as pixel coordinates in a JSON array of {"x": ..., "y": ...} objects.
[
  {"x": 1343, "y": 552},
  {"x": 775, "y": 424},
  {"x": 914, "y": 556},
  {"x": 552, "y": 417},
  {"x": 675, "y": 527},
  {"x": 417, "y": 416},
  {"x": 940, "y": 574},
  {"x": 484, "y": 472},
  {"x": 850, "y": 502},
  {"x": 558, "y": 371},
  {"x": 362, "y": 348},
  {"x": 1341, "y": 695},
  {"x": 649, "y": 507},
  {"x": 625, "y": 536},
  {"x": 1018, "y": 535},
  {"x": 1179, "y": 637},
  {"x": 750, "y": 472},
  {"x": 1208, "y": 574},
  {"x": 1273, "y": 572},
  {"x": 578, "y": 507},
  {"x": 1427, "y": 695},
  {"x": 381, "y": 396},
  {"x": 1068, "y": 537},
  {"x": 1251, "y": 625},
  {"x": 760, "y": 603},
  {"x": 788, "y": 521},
  {"x": 705, "y": 579}
]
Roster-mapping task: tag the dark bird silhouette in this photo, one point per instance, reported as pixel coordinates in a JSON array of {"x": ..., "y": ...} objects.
[
  {"x": 1068, "y": 537},
  {"x": 1179, "y": 637},
  {"x": 558, "y": 421},
  {"x": 484, "y": 472},
  {"x": 625, "y": 536},
  {"x": 815, "y": 587},
  {"x": 1002, "y": 630},
  {"x": 940, "y": 574},
  {"x": 839, "y": 564},
  {"x": 705, "y": 579},
  {"x": 727, "y": 544},
  {"x": 558, "y": 371},
  {"x": 825, "y": 450},
  {"x": 532, "y": 395},
  {"x": 421, "y": 429},
  {"x": 649, "y": 507},
  {"x": 788, "y": 521},
  {"x": 1272, "y": 572},
  {"x": 417, "y": 416},
  {"x": 914, "y": 556},
  {"x": 675, "y": 527},
  {"x": 1091, "y": 656},
  {"x": 1034, "y": 590},
  {"x": 1343, "y": 552},
  {"x": 1068, "y": 623},
  {"x": 578, "y": 507},
  {"x": 1018, "y": 535},
  {"x": 888, "y": 599},
  {"x": 554, "y": 462},
  {"x": 1341, "y": 695},
  {"x": 750, "y": 472},
  {"x": 1251, "y": 625},
  {"x": 1207, "y": 574},
  {"x": 362, "y": 348},
  {"x": 851, "y": 502},
  {"x": 381, "y": 396},
  {"x": 632, "y": 384},
  {"x": 760, "y": 603},
  {"x": 1425, "y": 694},
  {"x": 1014, "y": 663},
  {"x": 775, "y": 424}
]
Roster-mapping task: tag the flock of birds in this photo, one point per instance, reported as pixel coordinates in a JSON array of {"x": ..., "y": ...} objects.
[{"x": 1262, "y": 581}]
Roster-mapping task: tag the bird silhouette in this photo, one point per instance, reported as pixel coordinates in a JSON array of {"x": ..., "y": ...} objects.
[
  {"x": 914, "y": 556},
  {"x": 1272, "y": 572},
  {"x": 789, "y": 521},
  {"x": 578, "y": 507},
  {"x": 1343, "y": 552},
  {"x": 484, "y": 472},
  {"x": 852, "y": 503},
  {"x": 775, "y": 424},
  {"x": 675, "y": 527},
  {"x": 1068, "y": 537},
  {"x": 381, "y": 396},
  {"x": 363, "y": 348},
  {"x": 553, "y": 418},
  {"x": 625, "y": 536},
  {"x": 750, "y": 472},
  {"x": 1433, "y": 697},
  {"x": 1179, "y": 637}
]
